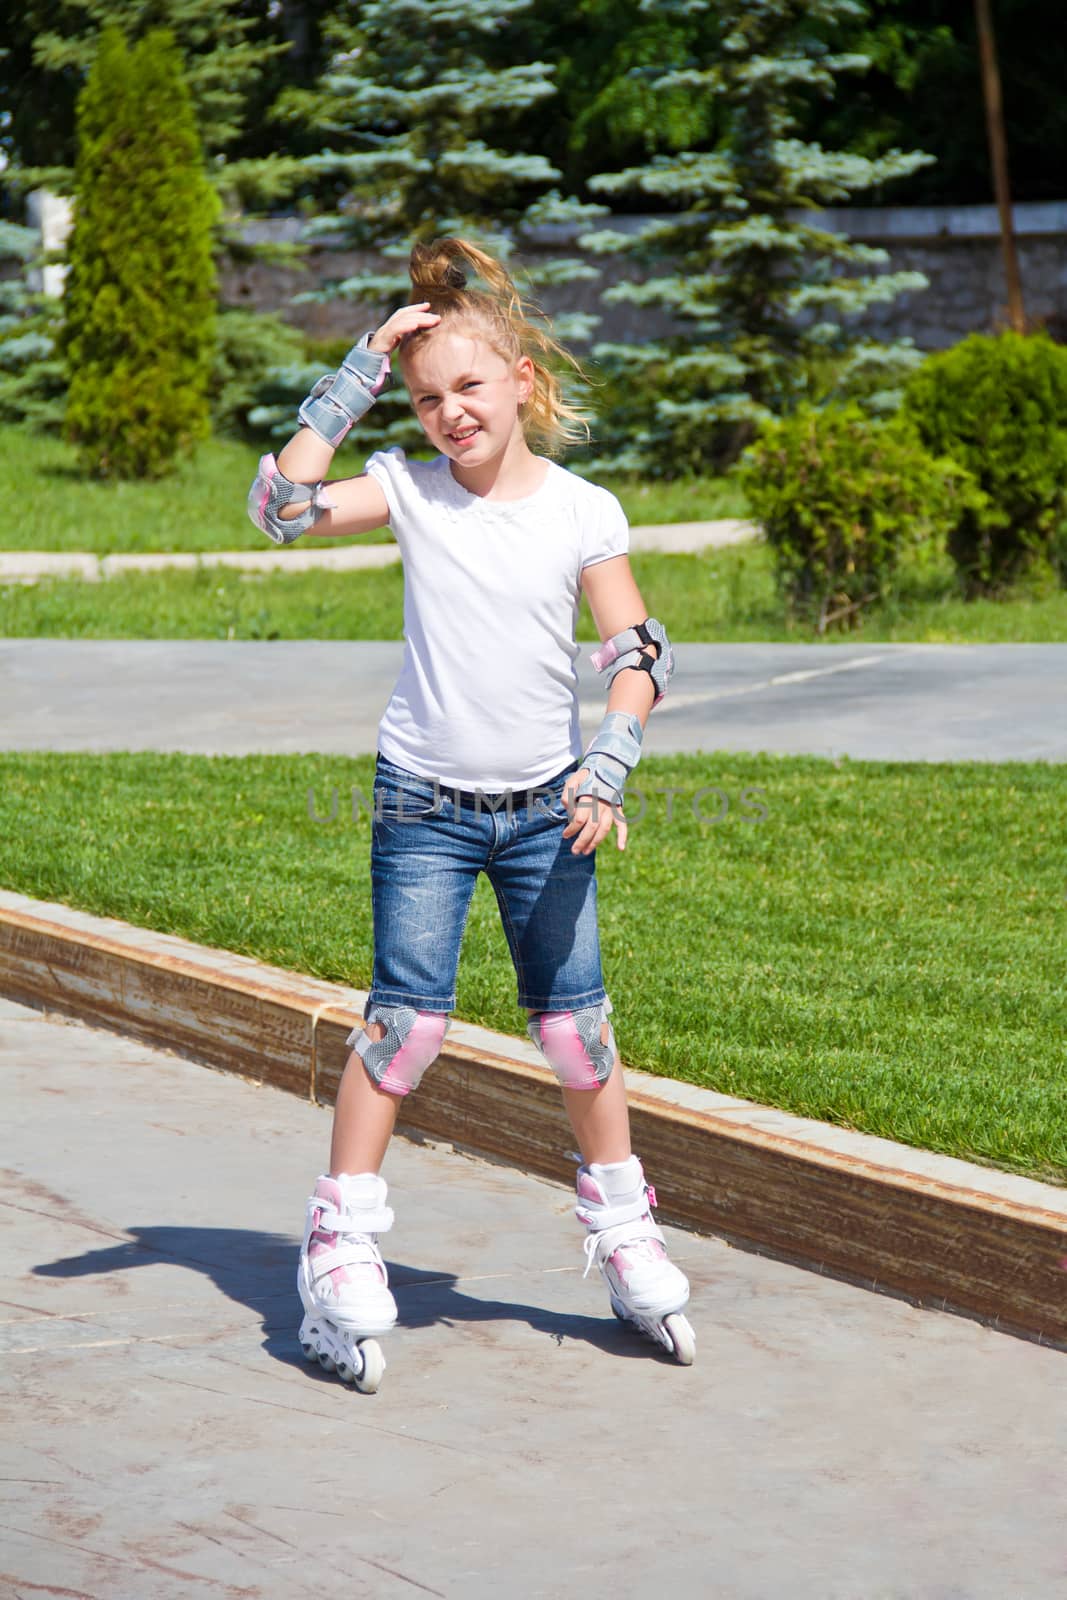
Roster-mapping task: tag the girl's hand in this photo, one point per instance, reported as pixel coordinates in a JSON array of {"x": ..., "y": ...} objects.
[
  {"x": 406, "y": 320},
  {"x": 591, "y": 819}
]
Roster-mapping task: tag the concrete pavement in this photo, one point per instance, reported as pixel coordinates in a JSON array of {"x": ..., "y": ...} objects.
[
  {"x": 883, "y": 702},
  {"x": 164, "y": 1437}
]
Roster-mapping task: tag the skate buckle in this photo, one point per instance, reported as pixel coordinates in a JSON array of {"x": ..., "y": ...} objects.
[{"x": 651, "y": 1195}]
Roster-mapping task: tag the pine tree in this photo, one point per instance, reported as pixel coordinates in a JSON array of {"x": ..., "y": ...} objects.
[
  {"x": 227, "y": 51},
  {"x": 32, "y": 381},
  {"x": 757, "y": 296},
  {"x": 413, "y": 95},
  {"x": 139, "y": 303}
]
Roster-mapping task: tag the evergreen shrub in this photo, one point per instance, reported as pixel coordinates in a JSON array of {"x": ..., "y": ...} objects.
[
  {"x": 839, "y": 495},
  {"x": 997, "y": 404},
  {"x": 139, "y": 303}
]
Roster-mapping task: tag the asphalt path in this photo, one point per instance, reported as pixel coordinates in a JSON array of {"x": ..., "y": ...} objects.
[
  {"x": 897, "y": 702},
  {"x": 162, "y": 1436}
]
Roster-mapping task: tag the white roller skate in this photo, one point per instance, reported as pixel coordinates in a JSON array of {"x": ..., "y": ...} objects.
[
  {"x": 647, "y": 1290},
  {"x": 342, "y": 1278}
]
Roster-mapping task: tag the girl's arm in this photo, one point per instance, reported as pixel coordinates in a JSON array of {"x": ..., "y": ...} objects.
[
  {"x": 616, "y": 604},
  {"x": 349, "y": 505},
  {"x": 617, "y": 607},
  {"x": 356, "y": 505}
]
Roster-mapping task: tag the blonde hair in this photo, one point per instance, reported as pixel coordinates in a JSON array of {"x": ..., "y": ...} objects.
[{"x": 439, "y": 274}]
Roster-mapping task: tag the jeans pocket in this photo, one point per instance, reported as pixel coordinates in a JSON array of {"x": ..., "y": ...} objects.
[
  {"x": 404, "y": 796},
  {"x": 554, "y": 803}
]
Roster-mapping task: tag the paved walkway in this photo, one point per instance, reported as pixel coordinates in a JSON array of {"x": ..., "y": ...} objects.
[
  {"x": 164, "y": 1437},
  {"x": 29, "y": 566},
  {"x": 869, "y": 701}
]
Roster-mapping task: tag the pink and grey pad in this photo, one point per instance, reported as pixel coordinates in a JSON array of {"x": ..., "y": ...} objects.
[
  {"x": 626, "y": 649},
  {"x": 271, "y": 490},
  {"x": 412, "y": 1040},
  {"x": 571, "y": 1044},
  {"x": 611, "y": 757},
  {"x": 340, "y": 398}
]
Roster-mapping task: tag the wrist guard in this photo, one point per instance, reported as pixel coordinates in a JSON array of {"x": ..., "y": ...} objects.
[
  {"x": 340, "y": 398},
  {"x": 612, "y": 756}
]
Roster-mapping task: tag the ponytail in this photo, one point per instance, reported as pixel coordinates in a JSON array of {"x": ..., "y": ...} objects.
[{"x": 440, "y": 274}]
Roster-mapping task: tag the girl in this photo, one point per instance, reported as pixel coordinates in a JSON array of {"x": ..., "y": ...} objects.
[{"x": 478, "y": 766}]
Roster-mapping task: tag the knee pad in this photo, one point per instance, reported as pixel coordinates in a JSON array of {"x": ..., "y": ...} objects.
[
  {"x": 571, "y": 1044},
  {"x": 412, "y": 1039}
]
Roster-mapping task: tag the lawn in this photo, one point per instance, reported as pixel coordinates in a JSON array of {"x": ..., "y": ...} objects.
[
  {"x": 715, "y": 596},
  {"x": 883, "y": 950},
  {"x": 202, "y": 507}
]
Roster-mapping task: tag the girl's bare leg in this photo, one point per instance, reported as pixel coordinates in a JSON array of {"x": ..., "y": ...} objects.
[
  {"x": 363, "y": 1118},
  {"x": 599, "y": 1117}
]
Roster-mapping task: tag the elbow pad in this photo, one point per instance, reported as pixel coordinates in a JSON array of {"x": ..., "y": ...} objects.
[
  {"x": 271, "y": 490},
  {"x": 625, "y": 649}
]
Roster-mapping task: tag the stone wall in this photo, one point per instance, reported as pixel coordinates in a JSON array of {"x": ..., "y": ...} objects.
[{"x": 956, "y": 247}]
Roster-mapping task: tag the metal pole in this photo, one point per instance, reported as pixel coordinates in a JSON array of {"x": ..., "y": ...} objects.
[{"x": 998, "y": 156}]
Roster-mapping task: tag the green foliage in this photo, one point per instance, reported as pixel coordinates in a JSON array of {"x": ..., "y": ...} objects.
[
  {"x": 751, "y": 296},
  {"x": 32, "y": 381},
  {"x": 924, "y": 86},
  {"x": 51, "y": 45},
  {"x": 139, "y": 332},
  {"x": 249, "y": 348},
  {"x": 413, "y": 115},
  {"x": 606, "y": 55},
  {"x": 839, "y": 495},
  {"x": 998, "y": 405}
]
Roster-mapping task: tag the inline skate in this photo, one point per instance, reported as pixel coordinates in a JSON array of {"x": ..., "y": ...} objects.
[
  {"x": 342, "y": 1279},
  {"x": 647, "y": 1291}
]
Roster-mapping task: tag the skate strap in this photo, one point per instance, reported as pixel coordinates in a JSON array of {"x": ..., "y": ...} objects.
[
  {"x": 606, "y": 1216},
  {"x": 354, "y": 1252},
  {"x": 629, "y": 639},
  {"x": 333, "y": 1221},
  {"x": 605, "y": 1241}
]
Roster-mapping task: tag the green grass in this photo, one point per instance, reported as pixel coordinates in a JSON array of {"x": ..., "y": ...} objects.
[
  {"x": 885, "y": 950},
  {"x": 202, "y": 507},
  {"x": 688, "y": 500},
  {"x": 718, "y": 596}
]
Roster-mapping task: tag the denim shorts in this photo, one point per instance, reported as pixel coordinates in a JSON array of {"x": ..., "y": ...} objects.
[{"x": 428, "y": 845}]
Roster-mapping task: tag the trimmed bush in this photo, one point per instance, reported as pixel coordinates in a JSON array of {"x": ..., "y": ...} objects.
[
  {"x": 139, "y": 304},
  {"x": 998, "y": 405},
  {"x": 838, "y": 495}
]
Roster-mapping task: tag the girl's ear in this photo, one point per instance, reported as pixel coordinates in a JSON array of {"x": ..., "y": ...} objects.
[{"x": 525, "y": 374}]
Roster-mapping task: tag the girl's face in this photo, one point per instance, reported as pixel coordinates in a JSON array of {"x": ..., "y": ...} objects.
[{"x": 465, "y": 395}]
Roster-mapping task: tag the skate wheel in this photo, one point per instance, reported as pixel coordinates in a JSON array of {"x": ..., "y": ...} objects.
[
  {"x": 327, "y": 1363},
  {"x": 310, "y": 1353},
  {"x": 370, "y": 1376},
  {"x": 683, "y": 1340}
]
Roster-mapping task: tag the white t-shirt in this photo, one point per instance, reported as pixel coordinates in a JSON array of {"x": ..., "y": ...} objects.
[{"x": 487, "y": 695}]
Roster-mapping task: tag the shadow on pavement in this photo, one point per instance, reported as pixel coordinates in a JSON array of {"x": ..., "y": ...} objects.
[{"x": 258, "y": 1270}]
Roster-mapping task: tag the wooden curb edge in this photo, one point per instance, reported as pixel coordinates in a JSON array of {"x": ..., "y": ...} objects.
[{"x": 934, "y": 1229}]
